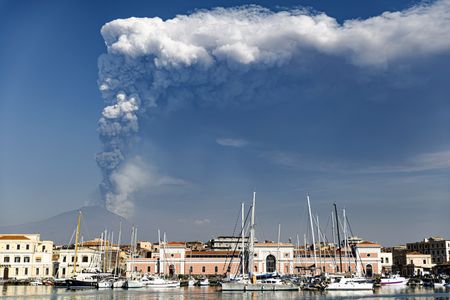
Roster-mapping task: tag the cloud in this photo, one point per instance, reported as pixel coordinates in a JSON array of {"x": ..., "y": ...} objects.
[
  {"x": 230, "y": 142},
  {"x": 202, "y": 221},
  {"x": 244, "y": 56},
  {"x": 132, "y": 176},
  {"x": 422, "y": 162}
]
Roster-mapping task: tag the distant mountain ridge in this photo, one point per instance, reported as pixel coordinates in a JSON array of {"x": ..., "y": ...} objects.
[{"x": 60, "y": 228}]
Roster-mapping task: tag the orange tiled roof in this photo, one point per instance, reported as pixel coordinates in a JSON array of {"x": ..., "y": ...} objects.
[{"x": 13, "y": 237}]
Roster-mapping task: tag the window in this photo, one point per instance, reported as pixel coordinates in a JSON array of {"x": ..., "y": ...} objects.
[
  {"x": 6, "y": 259},
  {"x": 424, "y": 261},
  {"x": 229, "y": 268},
  {"x": 73, "y": 258},
  {"x": 411, "y": 262},
  {"x": 43, "y": 248},
  {"x": 135, "y": 269},
  {"x": 7, "y": 247},
  {"x": 17, "y": 259},
  {"x": 216, "y": 269},
  {"x": 171, "y": 255},
  {"x": 26, "y": 259},
  {"x": 203, "y": 269},
  {"x": 382, "y": 260},
  {"x": 64, "y": 259},
  {"x": 38, "y": 259},
  {"x": 387, "y": 260},
  {"x": 368, "y": 254},
  {"x": 26, "y": 271},
  {"x": 37, "y": 271},
  {"x": 149, "y": 269},
  {"x": 64, "y": 271},
  {"x": 17, "y": 271},
  {"x": 27, "y": 247},
  {"x": 85, "y": 259},
  {"x": 47, "y": 271},
  {"x": 18, "y": 246}
]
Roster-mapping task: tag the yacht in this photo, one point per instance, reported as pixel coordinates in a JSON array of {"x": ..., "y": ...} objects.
[
  {"x": 105, "y": 284},
  {"x": 349, "y": 284},
  {"x": 158, "y": 282},
  {"x": 203, "y": 282},
  {"x": 83, "y": 280},
  {"x": 393, "y": 280}
]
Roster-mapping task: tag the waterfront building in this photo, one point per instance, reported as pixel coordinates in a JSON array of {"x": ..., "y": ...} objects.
[
  {"x": 386, "y": 261},
  {"x": 174, "y": 258},
  {"x": 411, "y": 263},
  {"x": 437, "y": 247},
  {"x": 91, "y": 256},
  {"x": 25, "y": 256}
]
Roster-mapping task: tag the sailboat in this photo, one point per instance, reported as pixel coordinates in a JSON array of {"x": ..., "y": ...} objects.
[
  {"x": 253, "y": 285},
  {"x": 81, "y": 280},
  {"x": 132, "y": 282},
  {"x": 342, "y": 283}
]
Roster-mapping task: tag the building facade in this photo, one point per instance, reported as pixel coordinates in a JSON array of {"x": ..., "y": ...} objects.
[
  {"x": 175, "y": 259},
  {"x": 25, "y": 256},
  {"x": 437, "y": 247}
]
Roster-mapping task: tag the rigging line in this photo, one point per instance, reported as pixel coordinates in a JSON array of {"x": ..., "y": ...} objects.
[
  {"x": 356, "y": 256},
  {"x": 237, "y": 243}
]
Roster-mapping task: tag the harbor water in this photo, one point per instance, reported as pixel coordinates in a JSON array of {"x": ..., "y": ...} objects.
[{"x": 207, "y": 293}]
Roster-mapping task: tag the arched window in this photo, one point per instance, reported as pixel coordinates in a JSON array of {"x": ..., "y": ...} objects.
[
  {"x": 369, "y": 271},
  {"x": 203, "y": 269},
  {"x": 271, "y": 263},
  {"x": 216, "y": 269},
  {"x": 191, "y": 269}
]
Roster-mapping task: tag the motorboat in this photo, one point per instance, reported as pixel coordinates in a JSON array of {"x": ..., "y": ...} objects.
[
  {"x": 133, "y": 284},
  {"x": 119, "y": 283},
  {"x": 158, "y": 282},
  {"x": 349, "y": 284},
  {"x": 36, "y": 282},
  {"x": 393, "y": 280},
  {"x": 203, "y": 282},
  {"x": 83, "y": 280},
  {"x": 105, "y": 284}
]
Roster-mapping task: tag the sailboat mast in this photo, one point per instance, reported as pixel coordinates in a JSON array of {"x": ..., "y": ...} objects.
[
  {"x": 118, "y": 249},
  {"x": 76, "y": 243},
  {"x": 252, "y": 236},
  {"x": 242, "y": 237},
  {"x": 346, "y": 240},
  {"x": 278, "y": 248},
  {"x": 312, "y": 232},
  {"x": 320, "y": 244},
  {"x": 334, "y": 239},
  {"x": 339, "y": 237}
]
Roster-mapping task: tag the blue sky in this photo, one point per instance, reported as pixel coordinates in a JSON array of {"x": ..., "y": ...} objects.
[{"x": 372, "y": 137}]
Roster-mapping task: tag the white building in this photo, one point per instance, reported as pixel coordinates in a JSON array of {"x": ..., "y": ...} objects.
[
  {"x": 88, "y": 259},
  {"x": 271, "y": 257},
  {"x": 386, "y": 262},
  {"x": 25, "y": 256},
  {"x": 437, "y": 247}
]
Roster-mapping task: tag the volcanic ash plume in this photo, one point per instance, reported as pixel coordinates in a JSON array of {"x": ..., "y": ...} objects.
[{"x": 237, "y": 56}]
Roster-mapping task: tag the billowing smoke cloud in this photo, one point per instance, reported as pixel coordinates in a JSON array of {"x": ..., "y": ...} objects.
[{"x": 237, "y": 56}]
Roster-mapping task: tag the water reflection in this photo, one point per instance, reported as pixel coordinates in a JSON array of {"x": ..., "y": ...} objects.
[{"x": 47, "y": 292}]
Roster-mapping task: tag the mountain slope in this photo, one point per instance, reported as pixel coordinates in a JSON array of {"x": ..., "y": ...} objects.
[{"x": 60, "y": 228}]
